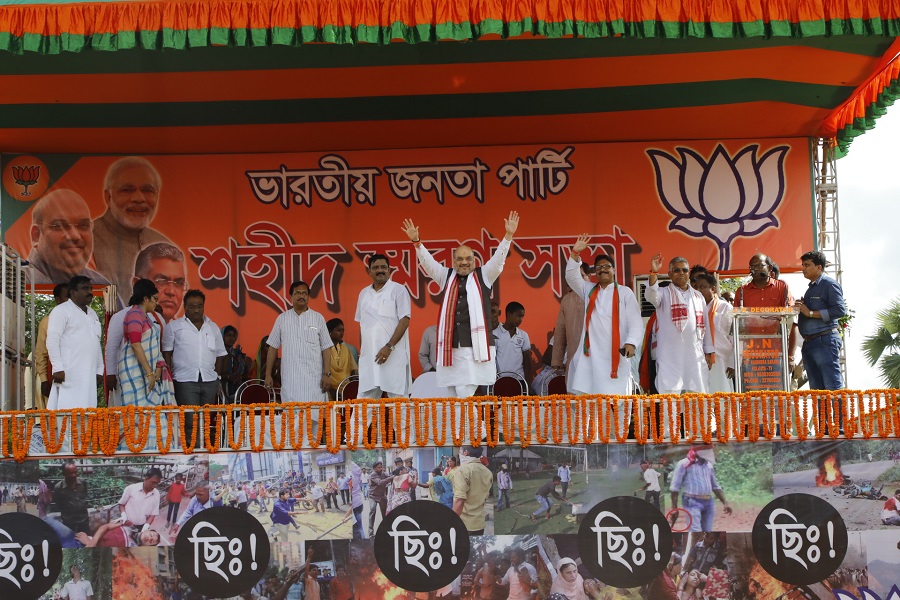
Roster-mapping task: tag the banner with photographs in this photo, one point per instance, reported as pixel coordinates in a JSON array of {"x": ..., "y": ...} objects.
[
  {"x": 776, "y": 521},
  {"x": 241, "y": 228}
]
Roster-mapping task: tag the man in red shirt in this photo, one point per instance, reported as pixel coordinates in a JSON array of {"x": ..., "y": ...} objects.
[
  {"x": 339, "y": 587},
  {"x": 764, "y": 291},
  {"x": 174, "y": 496},
  {"x": 890, "y": 512}
]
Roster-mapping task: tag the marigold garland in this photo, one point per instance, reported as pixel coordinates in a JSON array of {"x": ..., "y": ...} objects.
[{"x": 519, "y": 420}]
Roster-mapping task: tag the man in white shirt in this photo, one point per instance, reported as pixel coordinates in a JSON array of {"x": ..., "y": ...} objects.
[
  {"x": 140, "y": 502},
  {"x": 719, "y": 319},
  {"x": 76, "y": 588},
  {"x": 305, "y": 345},
  {"x": 565, "y": 477},
  {"x": 383, "y": 311},
  {"x": 195, "y": 351},
  {"x": 73, "y": 346},
  {"x": 115, "y": 344},
  {"x": 513, "y": 344},
  {"x": 42, "y": 368},
  {"x": 651, "y": 485},
  {"x": 464, "y": 342},
  {"x": 521, "y": 577}
]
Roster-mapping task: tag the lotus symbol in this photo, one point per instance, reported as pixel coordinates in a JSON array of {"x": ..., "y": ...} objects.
[
  {"x": 26, "y": 176},
  {"x": 723, "y": 197}
]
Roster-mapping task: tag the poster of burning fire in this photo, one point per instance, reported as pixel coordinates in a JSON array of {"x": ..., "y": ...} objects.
[{"x": 117, "y": 521}]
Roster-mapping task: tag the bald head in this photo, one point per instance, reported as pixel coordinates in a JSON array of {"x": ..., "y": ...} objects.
[
  {"x": 464, "y": 260},
  {"x": 62, "y": 231},
  {"x": 759, "y": 269}
]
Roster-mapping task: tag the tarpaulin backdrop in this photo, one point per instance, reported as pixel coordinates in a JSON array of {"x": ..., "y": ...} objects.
[{"x": 250, "y": 224}]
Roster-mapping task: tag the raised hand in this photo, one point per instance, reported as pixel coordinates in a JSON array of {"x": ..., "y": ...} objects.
[
  {"x": 511, "y": 224},
  {"x": 410, "y": 229},
  {"x": 581, "y": 244},
  {"x": 656, "y": 263}
]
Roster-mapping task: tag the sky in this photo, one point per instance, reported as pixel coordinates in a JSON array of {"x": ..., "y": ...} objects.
[{"x": 868, "y": 202}]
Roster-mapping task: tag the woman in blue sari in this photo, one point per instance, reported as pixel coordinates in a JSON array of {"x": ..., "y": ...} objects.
[{"x": 144, "y": 379}]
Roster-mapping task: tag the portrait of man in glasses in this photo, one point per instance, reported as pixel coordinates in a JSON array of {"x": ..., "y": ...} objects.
[
  {"x": 163, "y": 264},
  {"x": 62, "y": 239},
  {"x": 131, "y": 192}
]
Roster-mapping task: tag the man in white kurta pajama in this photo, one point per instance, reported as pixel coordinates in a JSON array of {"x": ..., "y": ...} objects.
[
  {"x": 466, "y": 356},
  {"x": 592, "y": 365},
  {"x": 73, "y": 346},
  {"x": 383, "y": 311},
  {"x": 683, "y": 353},
  {"x": 719, "y": 319}
]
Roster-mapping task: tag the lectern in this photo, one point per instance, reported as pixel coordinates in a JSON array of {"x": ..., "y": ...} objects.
[{"x": 761, "y": 348}]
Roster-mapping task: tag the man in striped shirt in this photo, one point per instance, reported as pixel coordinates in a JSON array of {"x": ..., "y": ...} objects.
[{"x": 305, "y": 345}]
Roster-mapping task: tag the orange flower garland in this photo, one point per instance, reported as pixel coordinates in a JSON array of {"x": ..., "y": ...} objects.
[{"x": 519, "y": 420}]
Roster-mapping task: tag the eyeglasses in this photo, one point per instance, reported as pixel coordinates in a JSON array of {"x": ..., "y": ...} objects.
[
  {"x": 60, "y": 226},
  {"x": 162, "y": 281},
  {"x": 604, "y": 268},
  {"x": 681, "y": 270},
  {"x": 149, "y": 191}
]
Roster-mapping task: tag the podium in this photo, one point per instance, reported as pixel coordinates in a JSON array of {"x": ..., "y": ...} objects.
[{"x": 761, "y": 348}]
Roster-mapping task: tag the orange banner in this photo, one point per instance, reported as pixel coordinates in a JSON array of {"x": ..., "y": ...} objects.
[{"x": 247, "y": 225}]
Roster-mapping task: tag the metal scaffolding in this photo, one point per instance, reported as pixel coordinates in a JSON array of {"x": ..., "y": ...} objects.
[{"x": 828, "y": 239}]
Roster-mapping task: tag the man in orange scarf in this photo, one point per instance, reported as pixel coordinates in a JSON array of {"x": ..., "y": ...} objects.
[{"x": 612, "y": 330}]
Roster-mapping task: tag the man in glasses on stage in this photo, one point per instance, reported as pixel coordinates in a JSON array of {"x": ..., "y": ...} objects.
[{"x": 684, "y": 355}]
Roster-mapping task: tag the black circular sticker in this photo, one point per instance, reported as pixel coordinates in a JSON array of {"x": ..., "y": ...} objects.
[
  {"x": 30, "y": 556},
  {"x": 799, "y": 539},
  {"x": 422, "y": 546},
  {"x": 221, "y": 552},
  {"x": 625, "y": 541}
]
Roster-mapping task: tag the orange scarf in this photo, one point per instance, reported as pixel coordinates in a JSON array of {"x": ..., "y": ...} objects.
[
  {"x": 712, "y": 325},
  {"x": 591, "y": 304}
]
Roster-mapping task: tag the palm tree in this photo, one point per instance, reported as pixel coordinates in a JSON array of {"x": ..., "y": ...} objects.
[{"x": 884, "y": 345}]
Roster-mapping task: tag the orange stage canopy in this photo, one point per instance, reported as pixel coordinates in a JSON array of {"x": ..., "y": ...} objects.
[{"x": 312, "y": 75}]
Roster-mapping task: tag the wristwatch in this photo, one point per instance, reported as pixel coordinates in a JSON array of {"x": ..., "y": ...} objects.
[{"x": 390, "y": 347}]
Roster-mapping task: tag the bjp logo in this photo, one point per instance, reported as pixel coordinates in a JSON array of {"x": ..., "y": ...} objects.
[
  {"x": 25, "y": 178},
  {"x": 724, "y": 197}
]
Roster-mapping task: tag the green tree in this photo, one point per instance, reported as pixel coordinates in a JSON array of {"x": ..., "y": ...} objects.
[{"x": 882, "y": 347}]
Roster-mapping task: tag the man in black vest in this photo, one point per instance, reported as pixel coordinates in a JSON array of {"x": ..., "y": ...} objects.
[{"x": 465, "y": 349}]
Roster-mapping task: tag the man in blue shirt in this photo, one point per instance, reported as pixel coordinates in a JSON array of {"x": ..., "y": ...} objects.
[
  {"x": 821, "y": 307},
  {"x": 199, "y": 502}
]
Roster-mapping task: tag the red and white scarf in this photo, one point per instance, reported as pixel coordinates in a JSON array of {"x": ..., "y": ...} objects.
[
  {"x": 481, "y": 344},
  {"x": 679, "y": 309}
]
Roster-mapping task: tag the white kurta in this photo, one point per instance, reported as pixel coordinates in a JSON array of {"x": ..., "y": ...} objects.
[
  {"x": 378, "y": 314},
  {"x": 591, "y": 374},
  {"x": 465, "y": 370},
  {"x": 680, "y": 360},
  {"x": 724, "y": 346},
  {"x": 73, "y": 345},
  {"x": 302, "y": 338}
]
